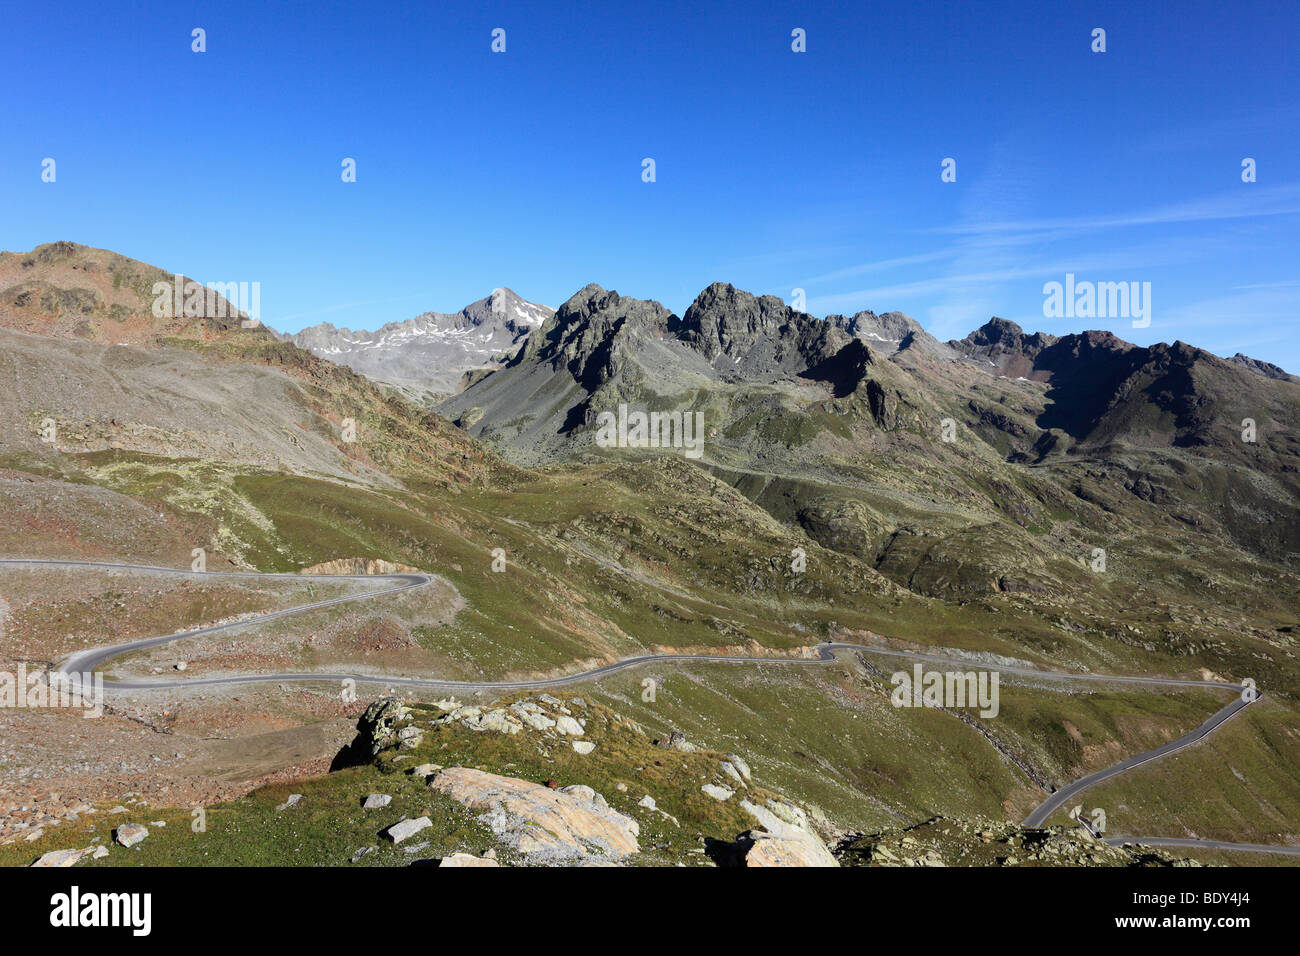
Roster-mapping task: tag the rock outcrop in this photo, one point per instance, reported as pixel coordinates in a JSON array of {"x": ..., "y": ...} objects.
[
  {"x": 388, "y": 723},
  {"x": 781, "y": 842},
  {"x": 783, "y": 839},
  {"x": 464, "y": 859},
  {"x": 560, "y": 824}
]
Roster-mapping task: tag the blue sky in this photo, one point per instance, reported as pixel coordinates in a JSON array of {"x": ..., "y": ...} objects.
[{"x": 775, "y": 170}]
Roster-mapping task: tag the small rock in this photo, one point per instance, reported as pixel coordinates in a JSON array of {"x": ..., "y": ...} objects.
[
  {"x": 408, "y": 738},
  {"x": 741, "y": 766},
  {"x": 499, "y": 721},
  {"x": 129, "y": 834},
  {"x": 567, "y": 725},
  {"x": 376, "y": 801},
  {"x": 583, "y": 746},
  {"x": 407, "y": 828},
  {"x": 677, "y": 741},
  {"x": 100, "y": 853},
  {"x": 425, "y": 770},
  {"x": 716, "y": 792}
]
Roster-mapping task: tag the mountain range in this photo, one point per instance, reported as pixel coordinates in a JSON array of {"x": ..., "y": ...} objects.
[
  {"x": 432, "y": 354},
  {"x": 1074, "y": 502}
]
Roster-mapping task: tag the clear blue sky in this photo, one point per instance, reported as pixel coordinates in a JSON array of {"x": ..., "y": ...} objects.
[{"x": 775, "y": 170}]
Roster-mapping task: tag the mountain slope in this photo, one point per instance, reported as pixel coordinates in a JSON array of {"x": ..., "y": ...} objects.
[{"x": 70, "y": 291}]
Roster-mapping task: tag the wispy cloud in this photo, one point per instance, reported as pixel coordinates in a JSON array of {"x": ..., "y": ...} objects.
[
  {"x": 1270, "y": 285},
  {"x": 898, "y": 262},
  {"x": 1247, "y": 202}
]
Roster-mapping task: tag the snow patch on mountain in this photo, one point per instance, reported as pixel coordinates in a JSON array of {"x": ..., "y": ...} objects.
[{"x": 429, "y": 355}]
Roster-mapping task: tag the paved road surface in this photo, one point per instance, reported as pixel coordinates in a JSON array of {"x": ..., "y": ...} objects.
[{"x": 1205, "y": 845}]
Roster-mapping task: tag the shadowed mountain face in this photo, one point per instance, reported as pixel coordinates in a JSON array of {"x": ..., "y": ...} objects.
[
  {"x": 433, "y": 354},
  {"x": 601, "y": 350},
  {"x": 1101, "y": 389}
]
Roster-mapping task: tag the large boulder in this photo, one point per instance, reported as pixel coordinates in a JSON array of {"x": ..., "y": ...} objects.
[
  {"x": 465, "y": 859},
  {"x": 403, "y": 829},
  {"x": 545, "y": 823},
  {"x": 781, "y": 842},
  {"x": 60, "y": 858}
]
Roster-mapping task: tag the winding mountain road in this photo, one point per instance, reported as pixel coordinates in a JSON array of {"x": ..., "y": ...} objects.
[
  {"x": 1059, "y": 798},
  {"x": 87, "y": 661}
]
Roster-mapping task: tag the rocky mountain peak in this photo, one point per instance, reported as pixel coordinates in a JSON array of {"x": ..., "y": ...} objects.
[
  {"x": 891, "y": 332},
  {"x": 997, "y": 331},
  {"x": 760, "y": 335},
  {"x": 590, "y": 300},
  {"x": 431, "y": 353},
  {"x": 591, "y": 329},
  {"x": 1260, "y": 367},
  {"x": 1003, "y": 345},
  {"x": 504, "y": 306}
]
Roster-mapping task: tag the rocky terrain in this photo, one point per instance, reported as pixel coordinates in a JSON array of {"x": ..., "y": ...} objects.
[
  {"x": 951, "y": 842},
  {"x": 657, "y": 811}
]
